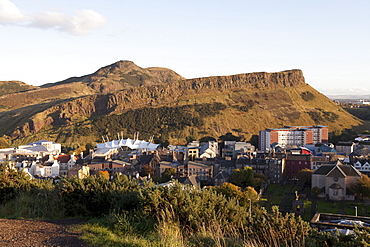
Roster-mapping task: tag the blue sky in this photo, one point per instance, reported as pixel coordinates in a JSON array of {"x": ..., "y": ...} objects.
[{"x": 45, "y": 41}]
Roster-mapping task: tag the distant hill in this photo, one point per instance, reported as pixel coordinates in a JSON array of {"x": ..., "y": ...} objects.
[
  {"x": 349, "y": 97},
  {"x": 124, "y": 98}
]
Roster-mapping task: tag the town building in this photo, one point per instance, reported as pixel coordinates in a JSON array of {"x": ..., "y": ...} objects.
[
  {"x": 345, "y": 147},
  {"x": 292, "y": 136},
  {"x": 201, "y": 171},
  {"x": 233, "y": 149},
  {"x": 193, "y": 150},
  {"x": 334, "y": 181},
  {"x": 51, "y": 147},
  {"x": 318, "y": 161},
  {"x": 79, "y": 171},
  {"x": 295, "y": 163},
  {"x": 66, "y": 162},
  {"x": 208, "y": 150}
]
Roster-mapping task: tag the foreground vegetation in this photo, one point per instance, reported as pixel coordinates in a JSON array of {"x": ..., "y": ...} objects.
[{"x": 124, "y": 212}]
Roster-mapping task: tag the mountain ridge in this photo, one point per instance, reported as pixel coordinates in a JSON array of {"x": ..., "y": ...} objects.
[
  {"x": 189, "y": 108},
  {"x": 122, "y": 67},
  {"x": 111, "y": 78}
]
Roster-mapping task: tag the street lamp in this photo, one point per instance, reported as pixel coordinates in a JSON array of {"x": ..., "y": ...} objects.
[{"x": 250, "y": 207}]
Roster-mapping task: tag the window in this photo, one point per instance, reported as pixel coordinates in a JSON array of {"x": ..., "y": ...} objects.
[{"x": 335, "y": 192}]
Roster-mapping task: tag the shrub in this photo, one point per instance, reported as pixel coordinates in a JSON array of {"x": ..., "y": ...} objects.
[
  {"x": 162, "y": 120},
  {"x": 320, "y": 116},
  {"x": 307, "y": 96}
]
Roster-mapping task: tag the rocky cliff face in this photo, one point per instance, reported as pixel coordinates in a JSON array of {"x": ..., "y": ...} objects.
[
  {"x": 155, "y": 95},
  {"x": 250, "y": 102}
]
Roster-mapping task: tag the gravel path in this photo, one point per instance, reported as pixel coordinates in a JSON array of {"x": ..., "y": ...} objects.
[{"x": 14, "y": 232}]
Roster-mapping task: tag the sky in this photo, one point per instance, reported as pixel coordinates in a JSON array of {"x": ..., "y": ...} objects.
[{"x": 45, "y": 41}]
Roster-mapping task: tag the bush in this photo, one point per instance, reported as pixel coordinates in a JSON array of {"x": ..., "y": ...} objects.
[
  {"x": 307, "y": 96},
  {"x": 319, "y": 116}
]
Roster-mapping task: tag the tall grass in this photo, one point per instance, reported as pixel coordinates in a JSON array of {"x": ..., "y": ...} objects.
[{"x": 125, "y": 213}]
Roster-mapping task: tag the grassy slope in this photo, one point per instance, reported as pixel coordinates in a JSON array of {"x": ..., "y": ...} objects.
[
  {"x": 274, "y": 108},
  {"x": 279, "y": 108}
]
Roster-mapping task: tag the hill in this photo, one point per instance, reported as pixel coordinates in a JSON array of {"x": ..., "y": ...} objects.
[
  {"x": 349, "y": 97},
  {"x": 159, "y": 102},
  {"x": 117, "y": 76}
]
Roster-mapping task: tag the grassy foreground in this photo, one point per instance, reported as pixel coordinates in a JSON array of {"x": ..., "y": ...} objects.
[{"x": 124, "y": 212}]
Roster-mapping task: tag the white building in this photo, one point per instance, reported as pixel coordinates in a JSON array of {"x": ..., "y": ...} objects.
[
  {"x": 209, "y": 150},
  {"x": 51, "y": 147}
]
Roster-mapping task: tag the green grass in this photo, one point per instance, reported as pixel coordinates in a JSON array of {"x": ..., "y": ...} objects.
[
  {"x": 277, "y": 193},
  {"x": 327, "y": 207},
  {"x": 276, "y": 201},
  {"x": 307, "y": 210},
  {"x": 98, "y": 235},
  {"x": 362, "y": 209}
]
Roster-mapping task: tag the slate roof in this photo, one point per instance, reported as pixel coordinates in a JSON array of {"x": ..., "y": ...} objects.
[
  {"x": 327, "y": 149},
  {"x": 345, "y": 144},
  {"x": 191, "y": 180},
  {"x": 98, "y": 160},
  {"x": 226, "y": 163},
  {"x": 350, "y": 170},
  {"x": 324, "y": 169},
  {"x": 243, "y": 161},
  {"x": 222, "y": 175},
  {"x": 336, "y": 170}
]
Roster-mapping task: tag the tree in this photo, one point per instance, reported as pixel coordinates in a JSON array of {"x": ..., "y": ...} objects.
[
  {"x": 304, "y": 176},
  {"x": 229, "y": 137},
  {"x": 242, "y": 178},
  {"x": 362, "y": 187},
  {"x": 254, "y": 140},
  {"x": 104, "y": 174},
  {"x": 168, "y": 174},
  {"x": 207, "y": 139},
  {"x": 146, "y": 170},
  {"x": 315, "y": 190},
  {"x": 232, "y": 191},
  {"x": 190, "y": 139},
  {"x": 256, "y": 183}
]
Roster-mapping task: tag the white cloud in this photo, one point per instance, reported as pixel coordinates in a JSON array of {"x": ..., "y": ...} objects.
[
  {"x": 9, "y": 13},
  {"x": 87, "y": 20},
  {"x": 83, "y": 22}
]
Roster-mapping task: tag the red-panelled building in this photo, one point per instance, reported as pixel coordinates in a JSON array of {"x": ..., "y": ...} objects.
[
  {"x": 295, "y": 163},
  {"x": 293, "y": 135}
]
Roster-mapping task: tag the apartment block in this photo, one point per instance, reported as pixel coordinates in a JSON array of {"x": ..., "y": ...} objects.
[{"x": 293, "y": 136}]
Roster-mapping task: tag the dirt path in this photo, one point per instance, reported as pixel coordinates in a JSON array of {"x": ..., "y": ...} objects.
[{"x": 14, "y": 232}]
